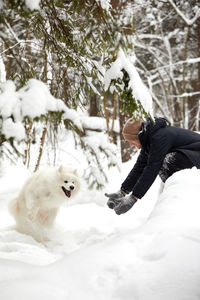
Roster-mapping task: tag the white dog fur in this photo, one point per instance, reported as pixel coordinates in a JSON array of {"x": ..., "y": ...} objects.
[{"x": 37, "y": 205}]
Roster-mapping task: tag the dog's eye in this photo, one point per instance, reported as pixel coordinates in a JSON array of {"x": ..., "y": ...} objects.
[{"x": 66, "y": 181}]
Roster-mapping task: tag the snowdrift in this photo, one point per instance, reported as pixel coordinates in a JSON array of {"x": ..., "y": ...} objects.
[{"x": 111, "y": 257}]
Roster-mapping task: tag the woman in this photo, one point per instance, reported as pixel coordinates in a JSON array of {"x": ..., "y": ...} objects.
[{"x": 165, "y": 150}]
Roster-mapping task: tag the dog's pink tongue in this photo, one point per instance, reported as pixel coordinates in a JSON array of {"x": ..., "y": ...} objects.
[{"x": 68, "y": 194}]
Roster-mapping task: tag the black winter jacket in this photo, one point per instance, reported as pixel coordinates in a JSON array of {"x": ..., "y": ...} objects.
[{"x": 158, "y": 139}]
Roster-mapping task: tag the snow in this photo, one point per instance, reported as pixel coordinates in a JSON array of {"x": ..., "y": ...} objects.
[
  {"x": 32, "y": 101},
  {"x": 9, "y": 101},
  {"x": 35, "y": 100},
  {"x": 32, "y": 4},
  {"x": 105, "y": 4},
  {"x": 151, "y": 252},
  {"x": 2, "y": 66},
  {"x": 99, "y": 123},
  {"x": 10, "y": 129}
]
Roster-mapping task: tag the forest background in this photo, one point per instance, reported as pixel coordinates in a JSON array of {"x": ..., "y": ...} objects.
[{"x": 70, "y": 51}]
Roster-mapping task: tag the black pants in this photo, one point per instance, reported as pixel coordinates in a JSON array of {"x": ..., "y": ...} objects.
[{"x": 173, "y": 162}]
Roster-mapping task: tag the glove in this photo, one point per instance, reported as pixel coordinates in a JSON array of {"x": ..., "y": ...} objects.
[
  {"x": 114, "y": 199},
  {"x": 125, "y": 204}
]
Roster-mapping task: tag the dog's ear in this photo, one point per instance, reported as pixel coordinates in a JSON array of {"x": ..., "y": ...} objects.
[
  {"x": 70, "y": 169},
  {"x": 60, "y": 169},
  {"x": 75, "y": 172}
]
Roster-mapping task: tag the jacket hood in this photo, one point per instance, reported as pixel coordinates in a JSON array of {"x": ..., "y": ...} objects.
[{"x": 149, "y": 128}]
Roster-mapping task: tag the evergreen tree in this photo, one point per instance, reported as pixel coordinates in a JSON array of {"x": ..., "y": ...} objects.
[{"x": 68, "y": 45}]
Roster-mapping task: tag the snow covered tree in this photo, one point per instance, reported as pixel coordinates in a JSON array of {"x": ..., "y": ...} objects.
[
  {"x": 167, "y": 51},
  {"x": 68, "y": 45}
]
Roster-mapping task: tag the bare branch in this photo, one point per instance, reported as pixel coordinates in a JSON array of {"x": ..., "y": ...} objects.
[
  {"x": 189, "y": 61},
  {"x": 188, "y": 22},
  {"x": 185, "y": 95}
]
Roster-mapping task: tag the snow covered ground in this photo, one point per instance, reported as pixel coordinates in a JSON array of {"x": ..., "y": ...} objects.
[{"x": 150, "y": 253}]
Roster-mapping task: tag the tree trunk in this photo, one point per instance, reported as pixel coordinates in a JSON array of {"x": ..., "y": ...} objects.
[
  {"x": 93, "y": 105},
  {"x": 126, "y": 151},
  {"x": 41, "y": 146}
]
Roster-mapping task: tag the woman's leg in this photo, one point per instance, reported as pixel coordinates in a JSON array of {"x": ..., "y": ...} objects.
[{"x": 174, "y": 162}]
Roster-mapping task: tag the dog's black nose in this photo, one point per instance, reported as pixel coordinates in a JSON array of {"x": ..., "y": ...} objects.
[{"x": 71, "y": 187}]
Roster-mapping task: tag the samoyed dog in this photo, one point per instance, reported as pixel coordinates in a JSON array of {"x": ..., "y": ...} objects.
[{"x": 37, "y": 205}]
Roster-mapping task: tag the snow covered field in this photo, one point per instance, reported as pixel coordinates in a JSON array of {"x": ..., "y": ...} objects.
[{"x": 150, "y": 253}]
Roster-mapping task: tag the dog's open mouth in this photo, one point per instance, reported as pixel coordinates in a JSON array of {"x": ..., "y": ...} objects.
[{"x": 67, "y": 193}]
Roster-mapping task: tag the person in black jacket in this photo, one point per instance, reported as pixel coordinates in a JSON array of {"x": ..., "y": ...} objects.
[{"x": 165, "y": 150}]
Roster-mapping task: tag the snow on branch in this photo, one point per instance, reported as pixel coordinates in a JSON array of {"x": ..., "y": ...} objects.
[
  {"x": 185, "y": 95},
  {"x": 34, "y": 101},
  {"x": 149, "y": 36},
  {"x": 188, "y": 22},
  {"x": 105, "y": 4},
  {"x": 188, "y": 61},
  {"x": 33, "y": 4},
  {"x": 139, "y": 90},
  {"x": 2, "y": 70}
]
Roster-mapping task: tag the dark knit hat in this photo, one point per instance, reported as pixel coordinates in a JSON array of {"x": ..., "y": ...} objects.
[{"x": 131, "y": 129}]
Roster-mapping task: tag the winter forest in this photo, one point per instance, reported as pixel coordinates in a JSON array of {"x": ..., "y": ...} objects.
[
  {"x": 102, "y": 62},
  {"x": 71, "y": 74}
]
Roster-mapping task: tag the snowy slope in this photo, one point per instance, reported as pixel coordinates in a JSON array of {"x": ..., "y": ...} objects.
[{"x": 150, "y": 253}]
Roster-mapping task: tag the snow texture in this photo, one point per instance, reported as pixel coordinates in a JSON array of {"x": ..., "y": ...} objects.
[
  {"x": 33, "y": 101},
  {"x": 105, "y": 4},
  {"x": 32, "y": 4},
  {"x": 2, "y": 66},
  {"x": 151, "y": 252}
]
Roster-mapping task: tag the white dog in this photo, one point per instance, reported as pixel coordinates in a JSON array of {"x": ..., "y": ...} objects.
[{"x": 37, "y": 204}]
